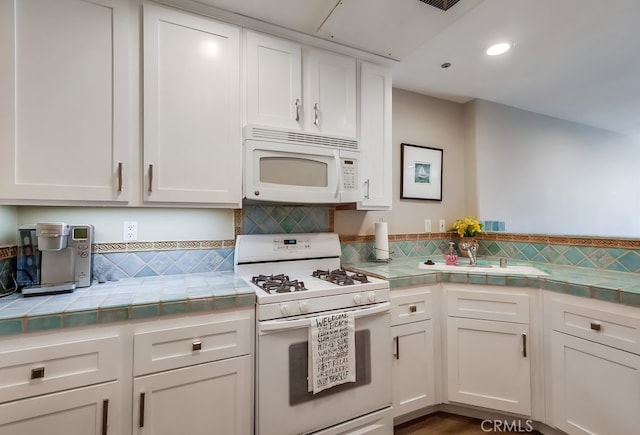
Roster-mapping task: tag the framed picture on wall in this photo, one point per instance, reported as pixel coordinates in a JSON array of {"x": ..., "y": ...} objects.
[{"x": 421, "y": 172}]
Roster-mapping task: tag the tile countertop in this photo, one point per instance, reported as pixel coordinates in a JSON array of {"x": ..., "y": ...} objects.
[
  {"x": 129, "y": 299},
  {"x": 620, "y": 287},
  {"x": 140, "y": 298}
]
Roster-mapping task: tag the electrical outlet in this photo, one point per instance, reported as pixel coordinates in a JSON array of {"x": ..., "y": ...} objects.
[
  {"x": 442, "y": 226},
  {"x": 427, "y": 225},
  {"x": 130, "y": 232}
]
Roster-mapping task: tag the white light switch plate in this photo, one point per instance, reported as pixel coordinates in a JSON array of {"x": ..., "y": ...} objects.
[
  {"x": 442, "y": 226},
  {"x": 427, "y": 225}
]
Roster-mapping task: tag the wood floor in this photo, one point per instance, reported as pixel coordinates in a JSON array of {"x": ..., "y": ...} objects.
[{"x": 442, "y": 423}]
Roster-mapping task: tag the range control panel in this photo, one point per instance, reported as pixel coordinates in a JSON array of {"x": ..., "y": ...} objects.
[{"x": 292, "y": 244}]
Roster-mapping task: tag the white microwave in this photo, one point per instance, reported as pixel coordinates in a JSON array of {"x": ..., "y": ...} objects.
[{"x": 294, "y": 167}]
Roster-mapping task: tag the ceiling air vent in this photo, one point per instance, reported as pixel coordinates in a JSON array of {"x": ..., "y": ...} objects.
[{"x": 440, "y": 4}]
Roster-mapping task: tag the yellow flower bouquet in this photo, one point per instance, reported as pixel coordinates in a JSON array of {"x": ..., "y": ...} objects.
[{"x": 467, "y": 227}]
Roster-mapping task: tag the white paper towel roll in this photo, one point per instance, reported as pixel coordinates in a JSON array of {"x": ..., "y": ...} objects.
[{"x": 382, "y": 241}]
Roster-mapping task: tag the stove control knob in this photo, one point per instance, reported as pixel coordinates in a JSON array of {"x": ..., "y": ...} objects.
[
  {"x": 284, "y": 309},
  {"x": 371, "y": 296},
  {"x": 304, "y": 306},
  {"x": 357, "y": 299}
]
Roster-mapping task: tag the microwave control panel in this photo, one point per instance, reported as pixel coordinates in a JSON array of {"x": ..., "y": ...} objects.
[{"x": 349, "y": 174}]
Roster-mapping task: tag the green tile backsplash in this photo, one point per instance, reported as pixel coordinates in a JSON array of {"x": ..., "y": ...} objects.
[{"x": 113, "y": 262}]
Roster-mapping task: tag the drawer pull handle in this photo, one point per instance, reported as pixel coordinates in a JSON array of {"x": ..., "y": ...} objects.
[
  {"x": 413, "y": 308},
  {"x": 105, "y": 416},
  {"x": 596, "y": 326},
  {"x": 141, "y": 410},
  {"x": 197, "y": 345},
  {"x": 397, "y": 339},
  {"x": 524, "y": 345},
  {"x": 37, "y": 373}
]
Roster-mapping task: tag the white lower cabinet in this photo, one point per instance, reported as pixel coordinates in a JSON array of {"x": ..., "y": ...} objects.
[
  {"x": 413, "y": 366},
  {"x": 203, "y": 399},
  {"x": 60, "y": 384},
  {"x": 594, "y": 366},
  {"x": 194, "y": 378},
  {"x": 488, "y": 365},
  {"x": 488, "y": 355},
  {"x": 190, "y": 374},
  {"x": 81, "y": 411}
]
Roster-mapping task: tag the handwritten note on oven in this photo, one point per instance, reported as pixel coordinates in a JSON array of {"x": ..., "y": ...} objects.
[{"x": 331, "y": 351}]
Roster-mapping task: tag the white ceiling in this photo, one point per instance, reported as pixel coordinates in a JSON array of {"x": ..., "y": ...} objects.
[{"x": 577, "y": 60}]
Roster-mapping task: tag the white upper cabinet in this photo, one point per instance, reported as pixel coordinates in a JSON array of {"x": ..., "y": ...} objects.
[
  {"x": 330, "y": 93},
  {"x": 299, "y": 88},
  {"x": 63, "y": 101},
  {"x": 274, "y": 81},
  {"x": 375, "y": 137},
  {"x": 192, "y": 143}
]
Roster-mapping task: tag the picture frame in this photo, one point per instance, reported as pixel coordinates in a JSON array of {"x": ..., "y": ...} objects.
[{"x": 421, "y": 172}]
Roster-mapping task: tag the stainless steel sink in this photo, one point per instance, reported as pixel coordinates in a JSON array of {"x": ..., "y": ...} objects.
[{"x": 489, "y": 269}]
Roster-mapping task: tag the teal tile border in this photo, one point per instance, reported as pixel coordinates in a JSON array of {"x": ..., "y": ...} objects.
[
  {"x": 8, "y": 327},
  {"x": 44, "y": 323},
  {"x": 145, "y": 311},
  {"x": 80, "y": 318}
]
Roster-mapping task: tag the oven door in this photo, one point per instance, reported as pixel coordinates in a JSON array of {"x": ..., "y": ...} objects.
[
  {"x": 299, "y": 173},
  {"x": 283, "y": 403}
]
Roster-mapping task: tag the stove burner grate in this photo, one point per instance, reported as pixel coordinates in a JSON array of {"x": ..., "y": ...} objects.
[
  {"x": 340, "y": 276},
  {"x": 278, "y": 283}
]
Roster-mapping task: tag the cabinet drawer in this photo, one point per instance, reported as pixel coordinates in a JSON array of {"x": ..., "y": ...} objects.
[
  {"x": 411, "y": 305},
  {"x": 505, "y": 306},
  {"x": 171, "y": 348},
  {"x": 609, "y": 324},
  {"x": 41, "y": 369}
]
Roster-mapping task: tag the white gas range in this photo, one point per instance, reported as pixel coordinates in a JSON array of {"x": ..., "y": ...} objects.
[
  {"x": 300, "y": 274},
  {"x": 298, "y": 278}
]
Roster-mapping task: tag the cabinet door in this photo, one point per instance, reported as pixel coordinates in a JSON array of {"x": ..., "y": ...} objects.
[
  {"x": 192, "y": 143},
  {"x": 595, "y": 388},
  {"x": 488, "y": 364},
  {"x": 83, "y": 411},
  {"x": 375, "y": 137},
  {"x": 329, "y": 93},
  {"x": 274, "y": 81},
  {"x": 413, "y": 367},
  {"x": 203, "y": 399},
  {"x": 63, "y": 101}
]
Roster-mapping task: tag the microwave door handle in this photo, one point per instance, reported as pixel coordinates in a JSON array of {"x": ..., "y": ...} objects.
[
  {"x": 336, "y": 156},
  {"x": 283, "y": 325}
]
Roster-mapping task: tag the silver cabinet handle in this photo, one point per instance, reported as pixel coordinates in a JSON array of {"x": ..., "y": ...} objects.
[
  {"x": 141, "y": 411},
  {"x": 196, "y": 345},
  {"x": 120, "y": 181},
  {"x": 37, "y": 373},
  {"x": 397, "y": 339},
  {"x": 366, "y": 183},
  {"x": 316, "y": 120},
  {"x": 105, "y": 416},
  {"x": 596, "y": 326},
  {"x": 297, "y": 109},
  {"x": 524, "y": 345},
  {"x": 150, "y": 178}
]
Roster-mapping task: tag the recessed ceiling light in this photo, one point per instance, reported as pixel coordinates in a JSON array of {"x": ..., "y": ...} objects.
[{"x": 497, "y": 49}]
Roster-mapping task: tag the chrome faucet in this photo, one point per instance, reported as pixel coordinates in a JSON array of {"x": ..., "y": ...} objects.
[{"x": 472, "y": 248}]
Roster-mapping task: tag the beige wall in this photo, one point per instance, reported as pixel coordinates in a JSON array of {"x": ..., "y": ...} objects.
[
  {"x": 8, "y": 225},
  {"x": 426, "y": 121}
]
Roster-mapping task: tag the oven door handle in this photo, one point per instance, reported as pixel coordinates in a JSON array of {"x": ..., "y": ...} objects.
[{"x": 283, "y": 324}]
